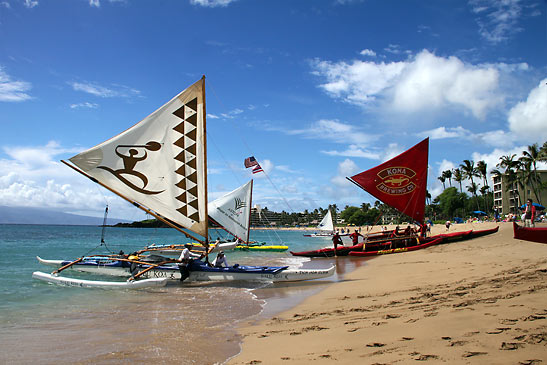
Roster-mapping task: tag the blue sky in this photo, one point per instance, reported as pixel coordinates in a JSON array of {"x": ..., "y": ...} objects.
[{"x": 315, "y": 90}]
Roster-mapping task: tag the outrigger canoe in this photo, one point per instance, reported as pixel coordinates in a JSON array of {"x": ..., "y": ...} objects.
[
  {"x": 534, "y": 234},
  {"x": 397, "y": 250},
  {"x": 199, "y": 271},
  {"x": 345, "y": 250}
]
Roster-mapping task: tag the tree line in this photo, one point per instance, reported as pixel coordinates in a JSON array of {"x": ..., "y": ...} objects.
[{"x": 518, "y": 172}]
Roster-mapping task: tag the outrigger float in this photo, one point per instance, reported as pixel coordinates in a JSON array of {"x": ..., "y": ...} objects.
[{"x": 159, "y": 165}]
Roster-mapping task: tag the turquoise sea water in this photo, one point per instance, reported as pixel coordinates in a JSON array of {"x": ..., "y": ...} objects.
[{"x": 185, "y": 324}]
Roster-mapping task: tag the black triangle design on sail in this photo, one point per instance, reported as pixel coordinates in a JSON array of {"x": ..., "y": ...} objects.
[{"x": 187, "y": 157}]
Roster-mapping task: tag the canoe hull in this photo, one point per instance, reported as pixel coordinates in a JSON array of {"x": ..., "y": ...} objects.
[
  {"x": 396, "y": 250},
  {"x": 137, "y": 284},
  {"x": 537, "y": 234},
  {"x": 199, "y": 271}
]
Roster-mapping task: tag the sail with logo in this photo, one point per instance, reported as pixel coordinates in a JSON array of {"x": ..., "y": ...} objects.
[
  {"x": 233, "y": 211},
  {"x": 400, "y": 182},
  {"x": 138, "y": 164}
]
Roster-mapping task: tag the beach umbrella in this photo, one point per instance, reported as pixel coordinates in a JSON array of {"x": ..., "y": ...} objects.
[
  {"x": 538, "y": 206},
  {"x": 479, "y": 212}
]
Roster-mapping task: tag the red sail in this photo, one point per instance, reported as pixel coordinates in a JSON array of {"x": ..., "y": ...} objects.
[{"x": 400, "y": 182}]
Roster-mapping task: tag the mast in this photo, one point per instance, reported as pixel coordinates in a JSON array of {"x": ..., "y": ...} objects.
[{"x": 206, "y": 243}]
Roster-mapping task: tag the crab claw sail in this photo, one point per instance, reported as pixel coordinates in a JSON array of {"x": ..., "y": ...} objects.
[
  {"x": 233, "y": 211},
  {"x": 400, "y": 182},
  {"x": 160, "y": 162}
]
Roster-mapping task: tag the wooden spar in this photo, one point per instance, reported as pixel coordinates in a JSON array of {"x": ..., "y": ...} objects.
[
  {"x": 138, "y": 205},
  {"x": 67, "y": 265}
]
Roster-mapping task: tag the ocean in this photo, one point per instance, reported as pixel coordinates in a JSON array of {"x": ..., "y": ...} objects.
[{"x": 190, "y": 323}]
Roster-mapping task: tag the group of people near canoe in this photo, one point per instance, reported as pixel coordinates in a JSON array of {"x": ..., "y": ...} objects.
[{"x": 409, "y": 232}]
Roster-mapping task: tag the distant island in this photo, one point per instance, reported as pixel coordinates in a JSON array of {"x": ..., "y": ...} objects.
[
  {"x": 30, "y": 215},
  {"x": 147, "y": 223}
]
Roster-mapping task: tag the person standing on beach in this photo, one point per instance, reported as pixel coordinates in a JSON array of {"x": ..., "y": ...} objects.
[
  {"x": 355, "y": 237},
  {"x": 185, "y": 258},
  {"x": 447, "y": 225},
  {"x": 529, "y": 214},
  {"x": 336, "y": 240}
]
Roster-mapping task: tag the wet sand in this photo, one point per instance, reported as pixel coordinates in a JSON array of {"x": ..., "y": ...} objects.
[{"x": 478, "y": 301}]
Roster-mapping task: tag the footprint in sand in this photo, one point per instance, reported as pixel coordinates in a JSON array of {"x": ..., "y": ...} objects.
[
  {"x": 473, "y": 353},
  {"x": 457, "y": 343},
  {"x": 407, "y": 338},
  {"x": 376, "y": 344},
  {"x": 511, "y": 345},
  {"x": 498, "y": 330},
  {"x": 530, "y": 362}
]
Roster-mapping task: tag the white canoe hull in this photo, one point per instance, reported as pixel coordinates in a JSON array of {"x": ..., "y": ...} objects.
[
  {"x": 137, "y": 284},
  {"x": 224, "y": 274}
]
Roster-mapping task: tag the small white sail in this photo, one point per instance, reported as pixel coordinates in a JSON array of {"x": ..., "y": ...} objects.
[
  {"x": 326, "y": 224},
  {"x": 233, "y": 211},
  {"x": 160, "y": 162}
]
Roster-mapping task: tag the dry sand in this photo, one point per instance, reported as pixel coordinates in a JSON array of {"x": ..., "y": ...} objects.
[{"x": 482, "y": 301}]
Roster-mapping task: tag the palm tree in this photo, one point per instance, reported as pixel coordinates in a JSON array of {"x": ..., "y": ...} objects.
[
  {"x": 442, "y": 179},
  {"x": 469, "y": 171},
  {"x": 510, "y": 165},
  {"x": 458, "y": 177},
  {"x": 448, "y": 174},
  {"x": 482, "y": 171},
  {"x": 531, "y": 157}
]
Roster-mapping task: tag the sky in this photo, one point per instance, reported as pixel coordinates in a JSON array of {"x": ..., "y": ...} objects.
[{"x": 316, "y": 90}]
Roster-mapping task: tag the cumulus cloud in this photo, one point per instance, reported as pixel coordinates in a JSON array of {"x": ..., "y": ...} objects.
[
  {"x": 354, "y": 151},
  {"x": 368, "y": 52},
  {"x": 425, "y": 82},
  {"x": 32, "y": 176},
  {"x": 528, "y": 119},
  {"x": 11, "y": 90}
]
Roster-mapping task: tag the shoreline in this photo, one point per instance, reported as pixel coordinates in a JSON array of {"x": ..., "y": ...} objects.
[{"x": 481, "y": 300}]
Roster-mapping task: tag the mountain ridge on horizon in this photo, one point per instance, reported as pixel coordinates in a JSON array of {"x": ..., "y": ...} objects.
[{"x": 31, "y": 215}]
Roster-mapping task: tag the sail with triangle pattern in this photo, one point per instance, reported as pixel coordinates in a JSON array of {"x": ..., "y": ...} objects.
[{"x": 160, "y": 162}]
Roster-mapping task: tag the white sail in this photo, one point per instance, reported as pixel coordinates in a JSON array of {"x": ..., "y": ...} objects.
[
  {"x": 233, "y": 211},
  {"x": 159, "y": 163},
  {"x": 326, "y": 224}
]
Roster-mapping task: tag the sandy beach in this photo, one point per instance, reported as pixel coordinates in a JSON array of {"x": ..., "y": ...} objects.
[{"x": 482, "y": 301}]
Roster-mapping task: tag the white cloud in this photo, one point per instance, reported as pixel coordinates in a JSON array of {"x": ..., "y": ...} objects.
[
  {"x": 431, "y": 82},
  {"x": 334, "y": 131},
  {"x": 425, "y": 82},
  {"x": 105, "y": 92},
  {"x": 497, "y": 19},
  {"x": 368, "y": 52},
  {"x": 212, "y": 3},
  {"x": 84, "y": 105},
  {"x": 12, "y": 91},
  {"x": 354, "y": 151},
  {"x": 528, "y": 119},
  {"x": 31, "y": 176},
  {"x": 443, "y": 132},
  {"x": 31, "y": 3}
]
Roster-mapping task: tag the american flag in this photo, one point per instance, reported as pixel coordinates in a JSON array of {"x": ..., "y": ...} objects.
[
  {"x": 250, "y": 161},
  {"x": 257, "y": 168}
]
